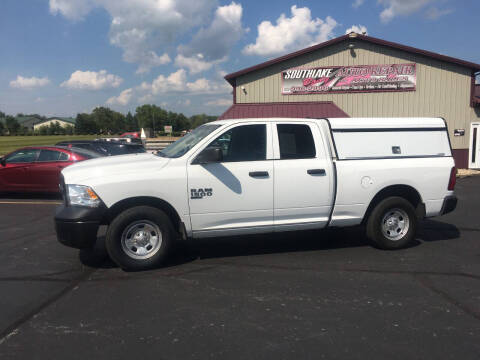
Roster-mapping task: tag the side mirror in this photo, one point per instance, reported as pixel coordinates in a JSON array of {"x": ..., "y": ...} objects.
[
  {"x": 209, "y": 155},
  {"x": 3, "y": 162}
]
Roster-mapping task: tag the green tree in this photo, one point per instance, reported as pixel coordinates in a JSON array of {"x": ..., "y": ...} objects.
[
  {"x": 151, "y": 117},
  {"x": 2, "y": 128},
  {"x": 12, "y": 125},
  {"x": 131, "y": 123},
  {"x": 200, "y": 119},
  {"x": 108, "y": 121},
  {"x": 85, "y": 124}
]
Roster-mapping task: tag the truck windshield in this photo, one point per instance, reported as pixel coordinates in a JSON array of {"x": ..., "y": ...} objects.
[{"x": 181, "y": 146}]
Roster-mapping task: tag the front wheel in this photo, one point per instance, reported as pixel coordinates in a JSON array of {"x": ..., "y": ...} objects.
[
  {"x": 392, "y": 223},
  {"x": 139, "y": 238}
]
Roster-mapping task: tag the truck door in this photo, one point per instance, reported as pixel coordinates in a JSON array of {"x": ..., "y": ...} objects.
[
  {"x": 236, "y": 194},
  {"x": 303, "y": 187}
]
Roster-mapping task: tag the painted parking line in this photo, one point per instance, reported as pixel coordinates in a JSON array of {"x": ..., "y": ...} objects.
[{"x": 31, "y": 202}]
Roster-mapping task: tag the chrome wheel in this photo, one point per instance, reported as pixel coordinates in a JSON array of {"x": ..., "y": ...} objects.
[
  {"x": 395, "y": 224},
  {"x": 141, "y": 239}
]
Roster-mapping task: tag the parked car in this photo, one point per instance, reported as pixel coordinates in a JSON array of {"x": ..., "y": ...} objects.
[
  {"x": 105, "y": 148},
  {"x": 243, "y": 176},
  {"x": 134, "y": 135},
  {"x": 37, "y": 168}
]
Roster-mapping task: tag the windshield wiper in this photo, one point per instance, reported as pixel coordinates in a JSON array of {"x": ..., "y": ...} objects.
[{"x": 160, "y": 153}]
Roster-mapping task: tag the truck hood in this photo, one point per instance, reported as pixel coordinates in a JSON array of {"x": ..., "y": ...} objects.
[{"x": 81, "y": 172}]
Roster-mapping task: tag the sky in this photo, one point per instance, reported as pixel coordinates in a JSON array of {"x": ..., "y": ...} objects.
[{"x": 63, "y": 57}]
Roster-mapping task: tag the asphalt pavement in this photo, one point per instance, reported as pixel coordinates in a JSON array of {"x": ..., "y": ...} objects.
[{"x": 302, "y": 295}]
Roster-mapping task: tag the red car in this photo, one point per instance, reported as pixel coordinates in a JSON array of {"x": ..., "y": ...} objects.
[
  {"x": 131, "y": 135},
  {"x": 37, "y": 168}
]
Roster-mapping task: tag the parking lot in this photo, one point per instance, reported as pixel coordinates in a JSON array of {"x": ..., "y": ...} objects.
[{"x": 324, "y": 294}]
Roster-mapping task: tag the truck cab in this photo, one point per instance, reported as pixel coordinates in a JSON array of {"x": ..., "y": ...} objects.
[{"x": 244, "y": 176}]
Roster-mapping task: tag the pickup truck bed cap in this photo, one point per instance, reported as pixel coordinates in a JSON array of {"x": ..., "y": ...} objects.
[{"x": 385, "y": 123}]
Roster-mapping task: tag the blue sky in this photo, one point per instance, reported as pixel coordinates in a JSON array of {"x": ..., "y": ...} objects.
[{"x": 61, "y": 57}]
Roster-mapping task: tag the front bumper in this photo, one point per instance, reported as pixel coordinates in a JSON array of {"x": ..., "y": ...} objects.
[
  {"x": 77, "y": 226},
  {"x": 449, "y": 204}
]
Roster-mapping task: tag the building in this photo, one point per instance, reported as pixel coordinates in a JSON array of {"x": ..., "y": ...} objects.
[
  {"x": 362, "y": 76},
  {"x": 62, "y": 121}
]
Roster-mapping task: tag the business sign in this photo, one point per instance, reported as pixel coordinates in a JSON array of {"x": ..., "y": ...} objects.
[
  {"x": 167, "y": 129},
  {"x": 347, "y": 79}
]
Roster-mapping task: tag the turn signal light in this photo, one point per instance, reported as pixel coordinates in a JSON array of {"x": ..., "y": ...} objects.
[{"x": 453, "y": 179}]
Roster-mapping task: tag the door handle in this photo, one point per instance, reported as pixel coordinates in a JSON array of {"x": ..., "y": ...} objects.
[
  {"x": 256, "y": 174},
  {"x": 320, "y": 172}
]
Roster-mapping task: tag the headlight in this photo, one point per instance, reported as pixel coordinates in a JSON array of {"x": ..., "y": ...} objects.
[{"x": 82, "y": 195}]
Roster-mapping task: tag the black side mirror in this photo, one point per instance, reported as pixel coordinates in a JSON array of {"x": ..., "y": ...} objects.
[
  {"x": 209, "y": 155},
  {"x": 3, "y": 162}
]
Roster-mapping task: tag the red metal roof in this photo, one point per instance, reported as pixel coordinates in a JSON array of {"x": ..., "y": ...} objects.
[
  {"x": 321, "y": 109},
  {"x": 231, "y": 77}
]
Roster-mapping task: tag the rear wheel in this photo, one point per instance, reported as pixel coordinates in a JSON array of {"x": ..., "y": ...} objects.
[
  {"x": 139, "y": 238},
  {"x": 392, "y": 223}
]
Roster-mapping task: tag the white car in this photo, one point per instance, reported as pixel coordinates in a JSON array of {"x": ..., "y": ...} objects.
[{"x": 246, "y": 176}]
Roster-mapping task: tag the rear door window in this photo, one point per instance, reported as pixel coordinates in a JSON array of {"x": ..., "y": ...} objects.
[
  {"x": 48, "y": 155},
  {"x": 295, "y": 141}
]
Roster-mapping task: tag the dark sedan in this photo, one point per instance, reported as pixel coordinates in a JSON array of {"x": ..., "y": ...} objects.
[
  {"x": 37, "y": 168},
  {"x": 105, "y": 148}
]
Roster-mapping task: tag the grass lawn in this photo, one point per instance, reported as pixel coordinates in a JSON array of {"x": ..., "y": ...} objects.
[{"x": 10, "y": 143}]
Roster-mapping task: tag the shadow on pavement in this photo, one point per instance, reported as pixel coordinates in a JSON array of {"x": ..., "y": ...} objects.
[
  {"x": 296, "y": 241},
  {"x": 433, "y": 230}
]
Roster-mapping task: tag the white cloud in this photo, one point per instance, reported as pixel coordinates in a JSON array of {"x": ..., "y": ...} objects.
[
  {"x": 177, "y": 82},
  {"x": 185, "y": 102},
  {"x": 394, "y": 8},
  {"x": 213, "y": 43},
  {"x": 150, "y": 60},
  {"x": 291, "y": 33},
  {"x": 122, "y": 99},
  {"x": 220, "y": 102},
  {"x": 357, "y": 3},
  {"x": 194, "y": 64},
  {"x": 433, "y": 13},
  {"x": 29, "y": 83},
  {"x": 143, "y": 29},
  {"x": 71, "y": 9},
  {"x": 91, "y": 80},
  {"x": 360, "y": 29}
]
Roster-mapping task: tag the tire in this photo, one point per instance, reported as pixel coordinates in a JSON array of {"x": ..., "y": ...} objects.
[
  {"x": 140, "y": 238},
  {"x": 392, "y": 224}
]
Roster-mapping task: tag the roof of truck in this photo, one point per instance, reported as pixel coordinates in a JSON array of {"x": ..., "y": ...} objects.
[
  {"x": 386, "y": 123},
  {"x": 360, "y": 123}
]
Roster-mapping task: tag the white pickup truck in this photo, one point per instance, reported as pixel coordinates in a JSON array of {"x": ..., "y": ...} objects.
[{"x": 246, "y": 176}]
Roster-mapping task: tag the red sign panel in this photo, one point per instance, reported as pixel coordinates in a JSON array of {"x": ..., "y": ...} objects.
[{"x": 348, "y": 79}]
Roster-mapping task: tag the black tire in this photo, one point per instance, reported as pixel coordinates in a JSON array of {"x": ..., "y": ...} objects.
[
  {"x": 122, "y": 254},
  {"x": 384, "y": 223}
]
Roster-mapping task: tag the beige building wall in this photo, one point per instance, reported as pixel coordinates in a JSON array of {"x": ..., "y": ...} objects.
[
  {"x": 443, "y": 89},
  {"x": 62, "y": 123}
]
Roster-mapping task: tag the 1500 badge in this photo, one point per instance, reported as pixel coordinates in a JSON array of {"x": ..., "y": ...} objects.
[{"x": 200, "y": 193}]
